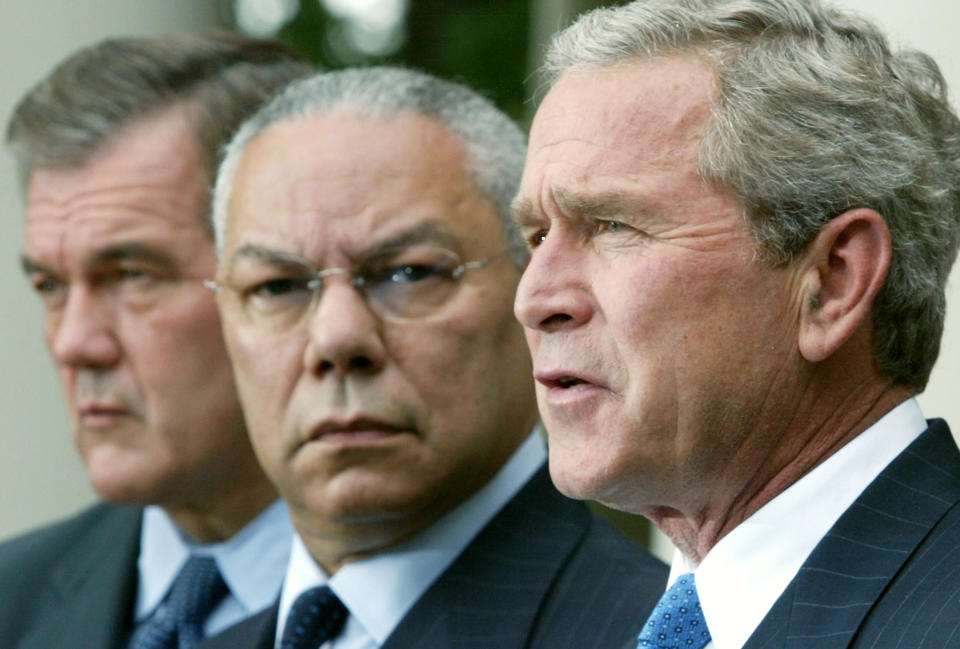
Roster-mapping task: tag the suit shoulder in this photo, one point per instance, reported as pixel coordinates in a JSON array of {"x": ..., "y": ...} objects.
[
  {"x": 605, "y": 591},
  {"x": 47, "y": 544},
  {"x": 608, "y": 561}
]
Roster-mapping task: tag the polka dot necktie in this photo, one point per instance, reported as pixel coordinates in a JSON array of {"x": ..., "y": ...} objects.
[
  {"x": 677, "y": 621},
  {"x": 178, "y": 623},
  {"x": 316, "y": 616}
]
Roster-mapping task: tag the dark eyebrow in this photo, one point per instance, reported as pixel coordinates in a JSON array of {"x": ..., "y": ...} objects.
[
  {"x": 601, "y": 205},
  {"x": 269, "y": 256},
  {"x": 108, "y": 255},
  {"x": 523, "y": 211},
  {"x": 131, "y": 250},
  {"x": 30, "y": 266},
  {"x": 427, "y": 232}
]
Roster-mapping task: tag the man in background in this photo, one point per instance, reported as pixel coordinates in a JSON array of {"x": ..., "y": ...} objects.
[
  {"x": 366, "y": 279},
  {"x": 742, "y": 216},
  {"x": 117, "y": 149}
]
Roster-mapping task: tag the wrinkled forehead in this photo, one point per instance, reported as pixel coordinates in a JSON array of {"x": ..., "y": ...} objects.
[
  {"x": 657, "y": 99},
  {"x": 330, "y": 182},
  {"x": 74, "y": 215}
]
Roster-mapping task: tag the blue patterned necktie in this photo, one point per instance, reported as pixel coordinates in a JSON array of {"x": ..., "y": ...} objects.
[
  {"x": 178, "y": 623},
  {"x": 316, "y": 616},
  {"x": 677, "y": 621}
]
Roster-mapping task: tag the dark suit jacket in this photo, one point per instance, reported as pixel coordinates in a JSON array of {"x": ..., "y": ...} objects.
[
  {"x": 544, "y": 573},
  {"x": 71, "y": 584},
  {"x": 887, "y": 575}
]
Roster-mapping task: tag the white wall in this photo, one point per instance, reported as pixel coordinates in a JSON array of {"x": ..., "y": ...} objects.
[{"x": 40, "y": 477}]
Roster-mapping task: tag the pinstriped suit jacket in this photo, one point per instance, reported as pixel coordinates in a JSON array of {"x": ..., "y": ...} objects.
[
  {"x": 887, "y": 575},
  {"x": 545, "y": 573}
]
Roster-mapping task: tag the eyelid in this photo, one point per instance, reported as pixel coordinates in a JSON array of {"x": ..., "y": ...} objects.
[
  {"x": 295, "y": 283},
  {"x": 38, "y": 278},
  {"x": 605, "y": 222}
]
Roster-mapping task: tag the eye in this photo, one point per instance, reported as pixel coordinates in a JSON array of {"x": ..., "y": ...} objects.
[
  {"x": 132, "y": 273},
  {"x": 277, "y": 295},
  {"x": 46, "y": 285},
  {"x": 50, "y": 289},
  {"x": 610, "y": 227},
  {"x": 415, "y": 265},
  {"x": 410, "y": 273},
  {"x": 275, "y": 288},
  {"x": 534, "y": 240}
]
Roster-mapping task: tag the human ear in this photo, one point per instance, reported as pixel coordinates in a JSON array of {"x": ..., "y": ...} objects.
[{"x": 846, "y": 264}]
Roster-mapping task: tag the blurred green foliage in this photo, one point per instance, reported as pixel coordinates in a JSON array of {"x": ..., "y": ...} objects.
[{"x": 482, "y": 43}]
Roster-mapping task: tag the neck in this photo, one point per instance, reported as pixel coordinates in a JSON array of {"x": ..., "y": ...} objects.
[
  {"x": 228, "y": 514},
  {"x": 821, "y": 425}
]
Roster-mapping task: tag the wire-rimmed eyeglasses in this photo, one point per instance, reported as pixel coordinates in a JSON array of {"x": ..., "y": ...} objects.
[{"x": 398, "y": 284}]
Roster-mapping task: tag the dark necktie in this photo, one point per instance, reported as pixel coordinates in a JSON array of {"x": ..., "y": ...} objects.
[
  {"x": 178, "y": 623},
  {"x": 316, "y": 616},
  {"x": 677, "y": 620}
]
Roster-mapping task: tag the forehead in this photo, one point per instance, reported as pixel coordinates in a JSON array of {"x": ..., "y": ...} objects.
[
  {"x": 147, "y": 182},
  {"x": 643, "y": 114},
  {"x": 342, "y": 180}
]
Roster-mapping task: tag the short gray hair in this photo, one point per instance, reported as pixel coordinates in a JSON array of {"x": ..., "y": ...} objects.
[
  {"x": 495, "y": 146},
  {"x": 814, "y": 115},
  {"x": 220, "y": 77}
]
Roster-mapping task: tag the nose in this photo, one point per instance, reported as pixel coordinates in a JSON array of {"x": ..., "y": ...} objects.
[
  {"x": 553, "y": 294},
  {"x": 344, "y": 333},
  {"x": 82, "y": 334}
]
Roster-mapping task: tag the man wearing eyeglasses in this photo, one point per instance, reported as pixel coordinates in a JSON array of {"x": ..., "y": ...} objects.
[{"x": 367, "y": 268}]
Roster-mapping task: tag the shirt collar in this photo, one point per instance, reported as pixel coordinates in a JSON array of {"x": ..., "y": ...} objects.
[
  {"x": 745, "y": 573},
  {"x": 403, "y": 573},
  {"x": 251, "y": 561}
]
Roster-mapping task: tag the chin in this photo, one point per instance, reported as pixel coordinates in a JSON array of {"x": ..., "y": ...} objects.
[
  {"x": 572, "y": 482},
  {"x": 123, "y": 486},
  {"x": 118, "y": 492}
]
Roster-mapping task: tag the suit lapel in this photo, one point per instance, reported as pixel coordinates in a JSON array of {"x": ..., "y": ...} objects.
[
  {"x": 491, "y": 595},
  {"x": 93, "y": 589},
  {"x": 852, "y": 566}
]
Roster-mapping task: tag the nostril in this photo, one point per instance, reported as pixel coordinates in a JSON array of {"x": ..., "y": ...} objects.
[
  {"x": 361, "y": 364},
  {"x": 555, "y": 320}
]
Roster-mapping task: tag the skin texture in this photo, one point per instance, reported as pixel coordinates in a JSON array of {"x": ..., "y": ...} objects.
[
  {"x": 116, "y": 251},
  {"x": 372, "y": 429},
  {"x": 705, "y": 381}
]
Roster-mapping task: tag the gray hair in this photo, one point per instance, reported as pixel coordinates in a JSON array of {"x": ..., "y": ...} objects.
[
  {"x": 814, "y": 115},
  {"x": 220, "y": 77},
  {"x": 495, "y": 146}
]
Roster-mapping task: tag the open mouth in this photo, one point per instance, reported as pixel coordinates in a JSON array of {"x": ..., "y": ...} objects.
[{"x": 560, "y": 380}]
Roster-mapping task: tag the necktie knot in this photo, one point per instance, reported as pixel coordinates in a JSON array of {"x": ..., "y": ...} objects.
[
  {"x": 677, "y": 621},
  {"x": 178, "y": 624},
  {"x": 316, "y": 616}
]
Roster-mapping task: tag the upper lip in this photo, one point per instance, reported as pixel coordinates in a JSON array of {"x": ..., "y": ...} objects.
[
  {"x": 348, "y": 424},
  {"x": 563, "y": 378}
]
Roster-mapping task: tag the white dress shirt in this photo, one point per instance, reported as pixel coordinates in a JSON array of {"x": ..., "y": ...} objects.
[
  {"x": 252, "y": 564},
  {"x": 745, "y": 573},
  {"x": 378, "y": 591}
]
